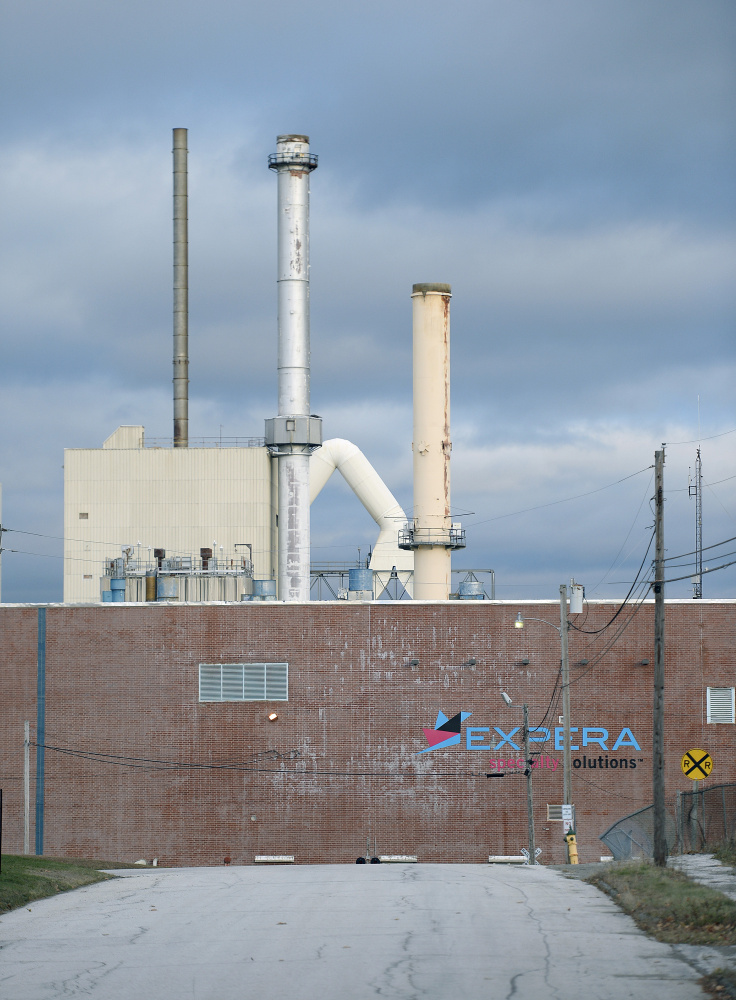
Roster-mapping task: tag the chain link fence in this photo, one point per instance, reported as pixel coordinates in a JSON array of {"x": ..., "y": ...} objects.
[
  {"x": 706, "y": 816},
  {"x": 633, "y": 836},
  {"x": 702, "y": 817}
]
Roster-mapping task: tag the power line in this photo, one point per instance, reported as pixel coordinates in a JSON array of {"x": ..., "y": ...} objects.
[
  {"x": 694, "y": 562},
  {"x": 625, "y": 600},
  {"x": 716, "y": 483},
  {"x": 628, "y": 535},
  {"x": 710, "y": 569},
  {"x": 698, "y": 439},
  {"x": 148, "y": 764},
  {"x": 715, "y": 545},
  {"x": 553, "y": 503}
]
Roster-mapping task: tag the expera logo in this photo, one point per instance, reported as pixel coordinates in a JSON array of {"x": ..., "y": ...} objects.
[{"x": 446, "y": 732}]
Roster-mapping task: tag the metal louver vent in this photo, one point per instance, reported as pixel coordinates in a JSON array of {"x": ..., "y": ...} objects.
[
  {"x": 232, "y": 682},
  {"x": 210, "y": 683},
  {"x": 244, "y": 682},
  {"x": 721, "y": 704},
  {"x": 254, "y": 681},
  {"x": 277, "y": 681}
]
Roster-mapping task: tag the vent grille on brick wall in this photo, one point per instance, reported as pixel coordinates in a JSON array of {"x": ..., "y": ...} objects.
[
  {"x": 720, "y": 705},
  {"x": 244, "y": 682}
]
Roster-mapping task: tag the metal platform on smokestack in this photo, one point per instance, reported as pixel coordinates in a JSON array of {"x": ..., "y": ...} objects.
[{"x": 414, "y": 538}]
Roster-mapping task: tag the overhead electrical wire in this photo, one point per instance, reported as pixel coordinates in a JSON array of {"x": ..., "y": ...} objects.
[
  {"x": 628, "y": 535},
  {"x": 699, "y": 439},
  {"x": 553, "y": 503},
  {"x": 710, "y": 569},
  {"x": 705, "y": 549},
  {"x": 635, "y": 607},
  {"x": 153, "y": 764},
  {"x": 716, "y": 483},
  {"x": 623, "y": 604}
]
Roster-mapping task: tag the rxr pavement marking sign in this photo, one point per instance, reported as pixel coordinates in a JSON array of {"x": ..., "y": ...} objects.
[{"x": 697, "y": 764}]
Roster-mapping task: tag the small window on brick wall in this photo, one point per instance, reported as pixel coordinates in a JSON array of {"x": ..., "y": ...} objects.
[
  {"x": 244, "y": 682},
  {"x": 721, "y": 705}
]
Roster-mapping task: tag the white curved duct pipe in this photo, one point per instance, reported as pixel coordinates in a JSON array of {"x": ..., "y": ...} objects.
[{"x": 377, "y": 499}]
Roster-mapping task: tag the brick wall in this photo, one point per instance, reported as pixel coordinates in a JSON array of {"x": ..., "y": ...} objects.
[{"x": 192, "y": 783}]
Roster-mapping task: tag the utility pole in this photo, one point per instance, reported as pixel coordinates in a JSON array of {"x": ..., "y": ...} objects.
[
  {"x": 696, "y": 491},
  {"x": 26, "y": 788},
  {"x": 565, "y": 666},
  {"x": 660, "y": 842},
  {"x": 529, "y": 799}
]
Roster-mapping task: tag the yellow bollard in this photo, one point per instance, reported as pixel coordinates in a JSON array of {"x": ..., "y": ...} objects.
[{"x": 572, "y": 847}]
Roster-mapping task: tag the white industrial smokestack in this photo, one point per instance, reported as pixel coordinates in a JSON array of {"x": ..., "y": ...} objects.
[
  {"x": 294, "y": 434},
  {"x": 181, "y": 293},
  {"x": 431, "y": 533}
]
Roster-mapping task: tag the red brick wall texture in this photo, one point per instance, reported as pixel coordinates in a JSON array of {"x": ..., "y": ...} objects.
[{"x": 136, "y": 767}]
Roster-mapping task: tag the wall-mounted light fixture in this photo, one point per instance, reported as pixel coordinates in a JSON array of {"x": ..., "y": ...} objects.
[
  {"x": 524, "y": 662},
  {"x": 273, "y": 716},
  {"x": 519, "y": 623},
  {"x": 583, "y": 663},
  {"x": 412, "y": 663},
  {"x": 470, "y": 662},
  {"x": 643, "y": 663}
]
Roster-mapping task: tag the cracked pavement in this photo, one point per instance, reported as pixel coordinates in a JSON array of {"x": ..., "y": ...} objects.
[{"x": 337, "y": 932}]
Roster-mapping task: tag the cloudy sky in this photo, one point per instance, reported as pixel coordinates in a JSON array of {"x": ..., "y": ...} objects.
[{"x": 566, "y": 165}]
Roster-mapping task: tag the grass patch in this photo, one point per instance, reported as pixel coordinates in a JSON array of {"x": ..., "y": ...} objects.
[
  {"x": 24, "y": 878},
  {"x": 720, "y": 983},
  {"x": 725, "y": 852},
  {"x": 668, "y": 905}
]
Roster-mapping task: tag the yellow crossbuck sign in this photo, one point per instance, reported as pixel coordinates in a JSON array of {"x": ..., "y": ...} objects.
[{"x": 697, "y": 764}]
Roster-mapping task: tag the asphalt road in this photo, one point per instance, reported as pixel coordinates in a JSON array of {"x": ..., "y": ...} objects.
[{"x": 334, "y": 932}]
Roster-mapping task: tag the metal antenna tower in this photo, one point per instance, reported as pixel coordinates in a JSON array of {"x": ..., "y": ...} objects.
[{"x": 696, "y": 490}]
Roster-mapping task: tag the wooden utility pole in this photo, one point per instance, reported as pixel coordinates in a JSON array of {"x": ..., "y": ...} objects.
[
  {"x": 26, "y": 788},
  {"x": 565, "y": 668},
  {"x": 660, "y": 841},
  {"x": 529, "y": 796}
]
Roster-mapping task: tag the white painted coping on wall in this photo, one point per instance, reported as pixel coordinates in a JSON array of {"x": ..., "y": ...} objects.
[{"x": 392, "y": 859}]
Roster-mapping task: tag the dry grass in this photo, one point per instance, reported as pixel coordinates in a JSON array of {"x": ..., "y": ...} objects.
[
  {"x": 24, "y": 878},
  {"x": 669, "y": 906},
  {"x": 721, "y": 983},
  {"x": 725, "y": 852}
]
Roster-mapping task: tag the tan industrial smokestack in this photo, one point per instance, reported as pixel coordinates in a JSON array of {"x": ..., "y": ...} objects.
[
  {"x": 432, "y": 534},
  {"x": 181, "y": 293}
]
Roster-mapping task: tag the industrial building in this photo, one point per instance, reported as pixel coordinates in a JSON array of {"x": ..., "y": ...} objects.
[
  {"x": 196, "y": 733},
  {"x": 232, "y": 523},
  {"x": 188, "y": 702}
]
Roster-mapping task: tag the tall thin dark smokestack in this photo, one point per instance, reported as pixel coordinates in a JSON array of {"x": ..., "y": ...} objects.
[{"x": 181, "y": 293}]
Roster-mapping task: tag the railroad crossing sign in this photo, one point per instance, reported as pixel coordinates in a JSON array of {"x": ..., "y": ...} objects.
[{"x": 697, "y": 764}]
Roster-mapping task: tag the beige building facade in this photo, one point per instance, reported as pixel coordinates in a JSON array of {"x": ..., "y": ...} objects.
[{"x": 125, "y": 500}]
